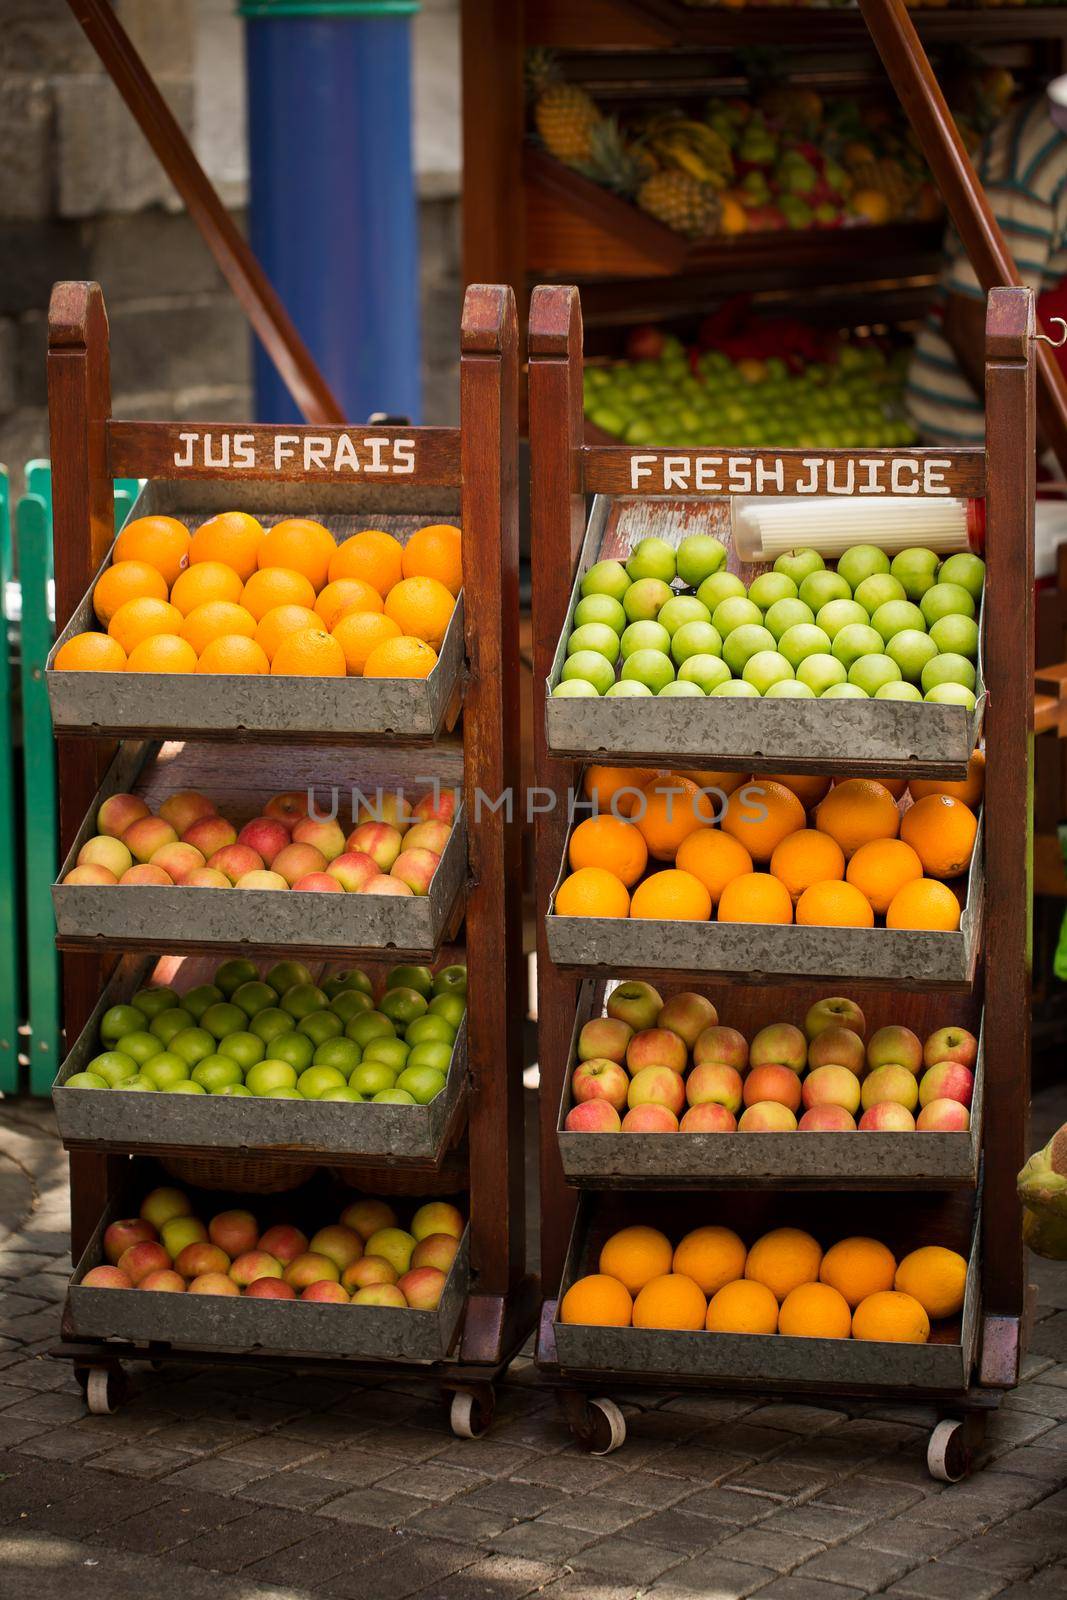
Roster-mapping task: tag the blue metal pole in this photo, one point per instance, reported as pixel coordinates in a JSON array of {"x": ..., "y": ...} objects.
[{"x": 333, "y": 212}]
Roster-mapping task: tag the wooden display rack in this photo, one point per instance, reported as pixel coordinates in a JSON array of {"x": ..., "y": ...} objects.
[
  {"x": 563, "y": 471},
  {"x": 470, "y": 470}
]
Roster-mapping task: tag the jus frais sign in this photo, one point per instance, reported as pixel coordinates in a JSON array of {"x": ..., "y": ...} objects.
[{"x": 335, "y": 453}]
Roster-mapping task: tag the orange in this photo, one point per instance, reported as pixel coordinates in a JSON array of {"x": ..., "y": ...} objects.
[
  {"x": 815, "y": 1311},
  {"x": 809, "y": 788},
  {"x": 141, "y": 619},
  {"x": 360, "y": 632},
  {"x": 299, "y": 545},
  {"x": 125, "y": 581},
  {"x": 602, "y": 784},
  {"x": 891, "y": 1318},
  {"x": 160, "y": 542},
  {"x": 783, "y": 1259},
  {"x": 279, "y": 622},
  {"x": 435, "y": 552},
  {"x": 311, "y": 653},
  {"x": 215, "y": 620},
  {"x": 743, "y": 1307},
  {"x": 941, "y": 830},
  {"x": 670, "y": 1301},
  {"x": 834, "y": 905},
  {"x": 708, "y": 778},
  {"x": 635, "y": 1256},
  {"x": 671, "y": 896},
  {"x": 857, "y": 1267},
  {"x": 760, "y": 815},
  {"x": 276, "y": 586},
  {"x": 592, "y": 892},
  {"x": 232, "y": 538},
  {"x": 162, "y": 652},
  {"x": 609, "y": 842},
  {"x": 807, "y": 857},
  {"x": 232, "y": 653},
  {"x": 670, "y": 809},
  {"x": 882, "y": 867},
  {"x": 936, "y": 1277},
  {"x": 857, "y": 811},
  {"x": 91, "y": 652},
  {"x": 422, "y": 608},
  {"x": 400, "y": 658},
  {"x": 208, "y": 580},
  {"x": 896, "y": 786},
  {"x": 597, "y": 1302},
  {"x": 755, "y": 897},
  {"x": 710, "y": 1256},
  {"x": 713, "y": 857},
  {"x": 968, "y": 789},
  {"x": 926, "y": 904},
  {"x": 339, "y": 599},
  {"x": 372, "y": 555}
]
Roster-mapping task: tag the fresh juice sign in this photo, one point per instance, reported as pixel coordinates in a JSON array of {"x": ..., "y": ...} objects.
[{"x": 789, "y": 473}]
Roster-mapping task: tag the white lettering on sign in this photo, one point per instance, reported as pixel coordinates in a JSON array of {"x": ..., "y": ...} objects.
[
  {"x": 815, "y": 475},
  {"x": 326, "y": 453}
]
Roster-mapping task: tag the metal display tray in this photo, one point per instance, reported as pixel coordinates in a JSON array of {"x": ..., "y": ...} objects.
[
  {"x": 133, "y": 915},
  {"x": 206, "y": 1322},
  {"x": 283, "y": 707},
  {"x": 776, "y": 1361},
  {"x": 782, "y": 1160},
  {"x": 928, "y": 740},
  {"x": 219, "y": 1124}
]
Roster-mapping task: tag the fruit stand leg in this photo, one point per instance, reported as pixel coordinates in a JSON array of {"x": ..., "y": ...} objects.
[{"x": 10, "y": 938}]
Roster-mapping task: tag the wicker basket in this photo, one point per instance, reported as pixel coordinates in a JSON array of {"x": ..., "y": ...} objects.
[
  {"x": 450, "y": 1178},
  {"x": 242, "y": 1174}
]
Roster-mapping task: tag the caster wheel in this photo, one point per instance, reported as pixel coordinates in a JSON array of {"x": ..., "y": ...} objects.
[
  {"x": 948, "y": 1454},
  {"x": 104, "y": 1390},
  {"x": 470, "y": 1414},
  {"x": 597, "y": 1426}
]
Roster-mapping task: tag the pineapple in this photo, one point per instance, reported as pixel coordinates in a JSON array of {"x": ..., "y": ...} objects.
[
  {"x": 565, "y": 116},
  {"x": 612, "y": 162},
  {"x": 681, "y": 202}
]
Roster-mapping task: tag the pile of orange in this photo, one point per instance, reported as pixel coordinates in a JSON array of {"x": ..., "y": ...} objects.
[
  {"x": 780, "y": 849},
  {"x": 785, "y": 1283},
  {"x": 235, "y": 597}
]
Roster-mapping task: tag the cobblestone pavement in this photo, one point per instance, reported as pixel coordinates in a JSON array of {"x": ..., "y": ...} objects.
[{"x": 244, "y": 1485}]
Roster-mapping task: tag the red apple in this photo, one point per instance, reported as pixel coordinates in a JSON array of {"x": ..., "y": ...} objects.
[
  {"x": 147, "y": 835},
  {"x": 436, "y": 1250},
  {"x": 235, "y": 860},
  {"x": 687, "y": 1015},
  {"x": 106, "y": 852},
  {"x": 725, "y": 1045},
  {"x": 90, "y": 878},
  {"x": 106, "y": 1278},
  {"x": 368, "y": 1217},
  {"x": 422, "y": 1287},
  {"x": 262, "y": 879},
  {"x": 655, "y": 1047},
  {"x": 380, "y": 1294},
  {"x": 326, "y": 1290},
  {"x": 164, "y": 1204},
  {"x": 835, "y": 1012},
  {"x": 120, "y": 1235},
  {"x": 888, "y": 1116},
  {"x": 949, "y": 1080},
  {"x": 715, "y": 1084},
  {"x": 200, "y": 1258},
  {"x": 142, "y": 1258},
  {"x": 178, "y": 860},
  {"x": 437, "y": 1216},
  {"x": 951, "y": 1044},
  {"x": 415, "y": 868},
  {"x": 832, "y": 1086},
  {"x": 592, "y": 1116},
  {"x": 145, "y": 874},
  {"x": 428, "y": 836},
  {"x": 210, "y": 834},
  {"x": 318, "y": 883},
  {"x": 254, "y": 1264},
  {"x": 605, "y": 1039},
  {"x": 837, "y": 1047},
  {"x": 213, "y": 1283},
  {"x": 352, "y": 870},
  {"x": 385, "y": 805},
  {"x": 296, "y": 861},
  {"x": 827, "y": 1119},
  {"x": 436, "y": 806},
  {"x": 708, "y": 1117},
  {"x": 767, "y": 1116},
  {"x": 266, "y": 836},
  {"x": 635, "y": 1003},
  {"x": 779, "y": 1045},
  {"x": 650, "y": 1119},
  {"x": 326, "y": 837},
  {"x": 779, "y": 1084},
  {"x": 283, "y": 1242},
  {"x": 309, "y": 1268},
  {"x": 892, "y": 1082},
  {"x": 371, "y": 1270},
  {"x": 207, "y": 878},
  {"x": 270, "y": 1289},
  {"x": 895, "y": 1046},
  {"x": 943, "y": 1116},
  {"x": 600, "y": 1080},
  {"x": 658, "y": 1086},
  {"x": 339, "y": 1244},
  {"x": 377, "y": 840},
  {"x": 234, "y": 1231},
  {"x": 288, "y": 808},
  {"x": 384, "y": 884},
  {"x": 185, "y": 807},
  {"x": 119, "y": 812},
  {"x": 165, "y": 1280}
]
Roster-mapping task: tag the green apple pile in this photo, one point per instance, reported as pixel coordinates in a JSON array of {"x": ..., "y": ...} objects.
[
  {"x": 675, "y": 622},
  {"x": 857, "y": 400},
  {"x": 283, "y": 1037}
]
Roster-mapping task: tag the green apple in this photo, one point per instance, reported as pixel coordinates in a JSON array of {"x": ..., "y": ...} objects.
[
  {"x": 304, "y": 998},
  {"x": 449, "y": 1007},
  {"x": 350, "y": 1003},
  {"x": 402, "y": 1006},
  {"x": 838, "y": 614},
  {"x": 223, "y": 1018},
  {"x": 430, "y": 1029},
  {"x": 423, "y": 1084},
  {"x": 267, "y": 1076},
  {"x": 267, "y": 1025},
  {"x": 861, "y": 562},
  {"x": 436, "y": 1055},
  {"x": 350, "y": 980},
  {"x": 898, "y": 691},
  {"x": 736, "y": 689},
  {"x": 628, "y": 689},
  {"x": 819, "y": 588},
  {"x": 606, "y": 577},
  {"x": 197, "y": 1000},
  {"x": 150, "y": 1002},
  {"x": 215, "y": 1072},
  {"x": 897, "y": 616},
  {"x": 236, "y": 1091},
  {"x": 719, "y": 587},
  {"x": 369, "y": 1026},
  {"x": 576, "y": 689},
  {"x": 695, "y": 639},
  {"x": 652, "y": 558},
  {"x": 766, "y": 667},
  {"x": 243, "y": 1048},
  {"x": 391, "y": 1052},
  {"x": 644, "y": 636},
  {"x": 879, "y": 590},
  {"x": 735, "y": 612},
  {"x": 595, "y": 636},
  {"x": 320, "y": 1026},
  {"x": 844, "y": 691},
  {"x": 799, "y": 564},
  {"x": 141, "y": 1046},
  {"x": 283, "y": 1094},
  {"x": 786, "y": 614},
  {"x": 698, "y": 557},
  {"x": 370, "y": 1077},
  {"x": 963, "y": 568},
  {"x": 139, "y": 1083},
  {"x": 344, "y": 1054},
  {"x": 164, "y": 1070},
  {"x": 820, "y": 673},
  {"x": 870, "y": 672},
  {"x": 651, "y": 667},
  {"x": 770, "y": 587},
  {"x": 680, "y": 691},
  {"x": 680, "y": 610},
  {"x": 588, "y": 666},
  {"x": 114, "y": 1066},
  {"x": 344, "y": 1093},
  {"x": 646, "y": 599},
  {"x": 945, "y": 600},
  {"x": 85, "y": 1080},
  {"x": 409, "y": 977},
  {"x": 600, "y": 608},
  {"x": 252, "y": 998},
  {"x": 296, "y": 1048},
  {"x": 911, "y": 650},
  {"x": 948, "y": 669},
  {"x": 956, "y": 635},
  {"x": 186, "y": 1086},
  {"x": 193, "y": 1044},
  {"x": 789, "y": 689},
  {"x": 176, "y": 1233},
  {"x": 743, "y": 643},
  {"x": 286, "y": 975},
  {"x": 393, "y": 1097},
  {"x": 951, "y": 694},
  {"x": 801, "y": 641},
  {"x": 314, "y": 1082},
  {"x": 916, "y": 568},
  {"x": 858, "y": 639},
  {"x": 231, "y": 974},
  {"x": 117, "y": 1021},
  {"x": 170, "y": 1022},
  {"x": 707, "y": 672},
  {"x": 451, "y": 980}
]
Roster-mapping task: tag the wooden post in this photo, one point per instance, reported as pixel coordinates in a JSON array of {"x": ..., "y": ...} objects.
[
  {"x": 1010, "y": 446},
  {"x": 494, "y": 249},
  {"x": 557, "y": 523}
]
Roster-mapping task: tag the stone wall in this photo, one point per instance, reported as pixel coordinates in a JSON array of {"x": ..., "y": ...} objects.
[{"x": 82, "y": 196}]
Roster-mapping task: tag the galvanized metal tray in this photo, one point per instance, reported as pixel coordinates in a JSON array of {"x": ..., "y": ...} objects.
[
  {"x": 860, "y": 1160},
  {"x": 776, "y": 1362},
  {"x": 145, "y": 702},
  {"x": 406, "y": 1135},
  {"x": 778, "y": 735},
  {"x": 222, "y": 1322},
  {"x": 132, "y": 914}
]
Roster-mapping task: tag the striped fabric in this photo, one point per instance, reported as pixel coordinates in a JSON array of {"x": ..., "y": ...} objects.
[{"x": 1023, "y": 166}]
